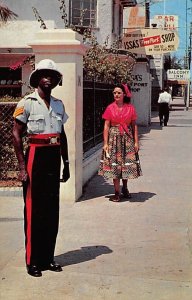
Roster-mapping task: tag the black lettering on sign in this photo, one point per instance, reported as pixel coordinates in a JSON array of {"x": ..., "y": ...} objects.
[
  {"x": 168, "y": 37},
  {"x": 136, "y": 77},
  {"x": 131, "y": 44}
]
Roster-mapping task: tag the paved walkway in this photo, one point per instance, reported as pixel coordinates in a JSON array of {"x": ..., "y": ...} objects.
[{"x": 138, "y": 250}]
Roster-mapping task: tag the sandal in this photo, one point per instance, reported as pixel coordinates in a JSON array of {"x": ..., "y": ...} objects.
[
  {"x": 126, "y": 193},
  {"x": 116, "y": 197}
]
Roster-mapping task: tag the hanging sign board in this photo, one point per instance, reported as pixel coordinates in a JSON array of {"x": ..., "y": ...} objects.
[
  {"x": 150, "y": 41},
  {"x": 177, "y": 74}
]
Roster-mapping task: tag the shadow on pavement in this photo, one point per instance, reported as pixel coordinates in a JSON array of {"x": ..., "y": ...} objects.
[
  {"x": 176, "y": 109},
  {"x": 182, "y": 126},
  {"x": 98, "y": 187},
  {"x": 81, "y": 255},
  {"x": 137, "y": 197},
  {"x": 145, "y": 130}
]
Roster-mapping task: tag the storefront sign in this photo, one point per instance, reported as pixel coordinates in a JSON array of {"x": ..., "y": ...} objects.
[
  {"x": 177, "y": 74},
  {"x": 169, "y": 22},
  {"x": 150, "y": 41},
  {"x": 138, "y": 83}
]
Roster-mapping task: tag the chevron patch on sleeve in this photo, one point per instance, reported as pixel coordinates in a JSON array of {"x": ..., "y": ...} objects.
[{"x": 18, "y": 111}]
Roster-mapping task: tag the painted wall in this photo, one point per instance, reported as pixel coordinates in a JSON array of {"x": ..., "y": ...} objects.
[
  {"x": 18, "y": 34},
  {"x": 51, "y": 15},
  {"x": 141, "y": 87},
  {"x": 49, "y": 11},
  {"x": 65, "y": 47}
]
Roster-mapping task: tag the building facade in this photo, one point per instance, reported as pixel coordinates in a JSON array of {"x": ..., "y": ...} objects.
[{"x": 105, "y": 17}]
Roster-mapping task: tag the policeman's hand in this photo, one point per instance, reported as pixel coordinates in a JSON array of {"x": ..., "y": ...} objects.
[
  {"x": 66, "y": 172},
  {"x": 23, "y": 176}
]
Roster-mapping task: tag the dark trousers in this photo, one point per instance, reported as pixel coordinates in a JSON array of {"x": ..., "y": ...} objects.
[
  {"x": 163, "y": 113},
  {"x": 41, "y": 204}
]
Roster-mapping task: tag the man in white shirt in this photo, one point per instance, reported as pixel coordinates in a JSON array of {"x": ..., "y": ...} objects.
[{"x": 164, "y": 103}]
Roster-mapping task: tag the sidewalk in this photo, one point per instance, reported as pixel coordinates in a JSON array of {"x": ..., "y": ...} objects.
[{"x": 138, "y": 250}]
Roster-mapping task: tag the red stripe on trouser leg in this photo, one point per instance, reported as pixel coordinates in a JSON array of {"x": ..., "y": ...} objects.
[{"x": 29, "y": 204}]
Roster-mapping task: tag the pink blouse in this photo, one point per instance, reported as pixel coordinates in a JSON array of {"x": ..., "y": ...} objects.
[{"x": 122, "y": 118}]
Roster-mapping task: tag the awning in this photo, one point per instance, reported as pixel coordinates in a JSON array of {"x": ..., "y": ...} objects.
[
  {"x": 16, "y": 50},
  {"x": 175, "y": 82}
]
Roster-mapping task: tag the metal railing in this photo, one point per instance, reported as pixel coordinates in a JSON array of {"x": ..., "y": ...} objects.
[
  {"x": 8, "y": 161},
  {"x": 96, "y": 97}
]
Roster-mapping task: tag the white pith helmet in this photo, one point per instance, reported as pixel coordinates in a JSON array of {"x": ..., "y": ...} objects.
[{"x": 45, "y": 64}]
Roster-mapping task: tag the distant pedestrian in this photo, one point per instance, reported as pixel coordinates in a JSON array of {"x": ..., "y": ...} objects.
[
  {"x": 120, "y": 158},
  {"x": 164, "y": 103},
  {"x": 43, "y": 117}
]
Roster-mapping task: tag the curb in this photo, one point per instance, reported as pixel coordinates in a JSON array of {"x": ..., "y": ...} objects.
[{"x": 11, "y": 191}]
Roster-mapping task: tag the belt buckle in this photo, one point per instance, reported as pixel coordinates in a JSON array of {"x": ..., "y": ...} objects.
[{"x": 53, "y": 140}]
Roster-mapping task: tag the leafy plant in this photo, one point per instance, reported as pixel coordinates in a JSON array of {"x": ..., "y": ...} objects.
[
  {"x": 6, "y": 14},
  {"x": 107, "y": 63},
  {"x": 63, "y": 13},
  {"x": 39, "y": 19},
  {"x": 7, "y": 98}
]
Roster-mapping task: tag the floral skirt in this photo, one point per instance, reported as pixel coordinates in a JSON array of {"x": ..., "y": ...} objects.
[{"x": 122, "y": 162}]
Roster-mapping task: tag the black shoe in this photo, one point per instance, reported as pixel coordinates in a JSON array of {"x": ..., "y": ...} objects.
[
  {"x": 126, "y": 193},
  {"x": 116, "y": 197},
  {"x": 34, "y": 271},
  {"x": 53, "y": 266}
]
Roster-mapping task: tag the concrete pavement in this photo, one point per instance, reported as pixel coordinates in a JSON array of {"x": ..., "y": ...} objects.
[{"x": 138, "y": 250}]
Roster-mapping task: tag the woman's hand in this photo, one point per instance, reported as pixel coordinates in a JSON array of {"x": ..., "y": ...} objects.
[
  {"x": 136, "y": 147},
  {"x": 106, "y": 147},
  {"x": 106, "y": 136}
]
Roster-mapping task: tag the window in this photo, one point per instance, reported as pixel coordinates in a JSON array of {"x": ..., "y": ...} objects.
[
  {"x": 10, "y": 82},
  {"x": 83, "y": 12}
]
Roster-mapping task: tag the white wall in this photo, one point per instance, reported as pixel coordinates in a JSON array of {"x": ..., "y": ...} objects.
[
  {"x": 141, "y": 87},
  {"x": 50, "y": 13},
  {"x": 17, "y": 34},
  {"x": 91, "y": 164},
  {"x": 65, "y": 47}
]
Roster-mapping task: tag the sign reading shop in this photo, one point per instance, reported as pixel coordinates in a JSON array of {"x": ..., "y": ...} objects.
[{"x": 150, "y": 41}]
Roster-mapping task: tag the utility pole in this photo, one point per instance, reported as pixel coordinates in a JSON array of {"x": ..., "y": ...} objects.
[
  {"x": 188, "y": 58},
  {"x": 190, "y": 47},
  {"x": 147, "y": 14},
  {"x": 189, "y": 66}
]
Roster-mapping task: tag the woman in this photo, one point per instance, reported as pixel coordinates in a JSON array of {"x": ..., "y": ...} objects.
[{"x": 120, "y": 151}]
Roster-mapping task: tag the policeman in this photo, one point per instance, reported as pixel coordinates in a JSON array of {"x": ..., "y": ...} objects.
[{"x": 42, "y": 116}]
